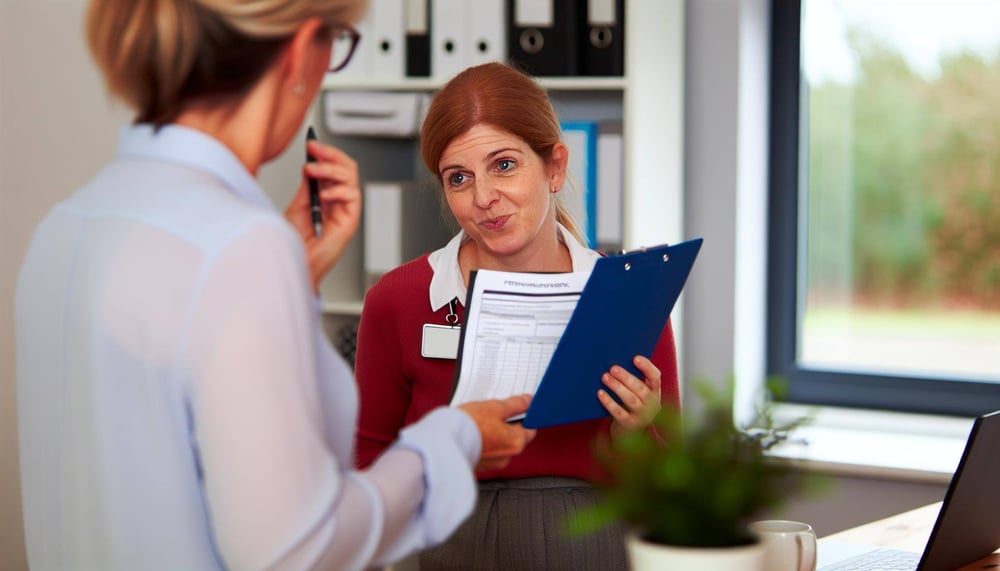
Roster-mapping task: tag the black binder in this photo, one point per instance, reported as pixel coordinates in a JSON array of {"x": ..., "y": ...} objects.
[
  {"x": 418, "y": 38},
  {"x": 544, "y": 48},
  {"x": 602, "y": 42}
]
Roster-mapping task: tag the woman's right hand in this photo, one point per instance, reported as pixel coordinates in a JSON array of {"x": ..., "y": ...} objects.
[
  {"x": 501, "y": 440},
  {"x": 340, "y": 198}
]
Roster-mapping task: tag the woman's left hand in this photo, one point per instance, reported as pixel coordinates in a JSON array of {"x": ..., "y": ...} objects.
[
  {"x": 340, "y": 197},
  {"x": 641, "y": 397}
]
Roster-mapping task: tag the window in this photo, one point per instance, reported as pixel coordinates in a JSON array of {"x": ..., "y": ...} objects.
[{"x": 884, "y": 244}]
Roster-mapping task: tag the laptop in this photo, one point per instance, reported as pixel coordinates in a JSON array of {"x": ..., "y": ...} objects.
[{"x": 967, "y": 527}]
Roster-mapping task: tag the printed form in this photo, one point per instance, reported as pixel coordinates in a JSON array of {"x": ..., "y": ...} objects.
[{"x": 513, "y": 322}]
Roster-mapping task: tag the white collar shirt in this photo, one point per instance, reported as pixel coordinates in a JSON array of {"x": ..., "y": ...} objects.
[{"x": 447, "y": 283}]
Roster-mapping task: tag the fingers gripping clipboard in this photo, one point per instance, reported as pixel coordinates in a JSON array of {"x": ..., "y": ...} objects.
[{"x": 620, "y": 314}]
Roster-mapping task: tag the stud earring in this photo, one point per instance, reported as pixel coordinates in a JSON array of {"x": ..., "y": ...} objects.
[{"x": 299, "y": 89}]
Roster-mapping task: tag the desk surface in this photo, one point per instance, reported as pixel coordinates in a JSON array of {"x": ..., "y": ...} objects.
[{"x": 908, "y": 531}]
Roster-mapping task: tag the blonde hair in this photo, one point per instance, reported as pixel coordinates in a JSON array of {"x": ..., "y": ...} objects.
[
  {"x": 494, "y": 94},
  {"x": 158, "y": 55}
]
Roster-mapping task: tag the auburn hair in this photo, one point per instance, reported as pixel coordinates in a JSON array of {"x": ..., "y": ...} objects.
[{"x": 502, "y": 97}]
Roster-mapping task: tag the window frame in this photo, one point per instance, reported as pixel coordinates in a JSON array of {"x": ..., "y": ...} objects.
[{"x": 960, "y": 397}]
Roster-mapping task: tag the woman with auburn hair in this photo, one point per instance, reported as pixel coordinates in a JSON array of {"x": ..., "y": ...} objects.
[
  {"x": 492, "y": 140},
  {"x": 179, "y": 406}
]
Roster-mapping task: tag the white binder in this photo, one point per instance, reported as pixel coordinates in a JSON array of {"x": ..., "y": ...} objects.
[
  {"x": 402, "y": 221},
  {"x": 487, "y": 26},
  {"x": 383, "y": 228},
  {"x": 388, "y": 40},
  {"x": 449, "y": 37}
]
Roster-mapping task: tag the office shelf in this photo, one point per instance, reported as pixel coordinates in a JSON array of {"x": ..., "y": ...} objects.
[
  {"x": 647, "y": 101},
  {"x": 430, "y": 85}
]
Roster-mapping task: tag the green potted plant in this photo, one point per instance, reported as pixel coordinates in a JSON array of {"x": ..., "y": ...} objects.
[{"x": 689, "y": 486}]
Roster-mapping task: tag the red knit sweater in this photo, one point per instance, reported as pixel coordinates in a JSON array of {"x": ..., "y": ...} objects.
[{"x": 398, "y": 386}]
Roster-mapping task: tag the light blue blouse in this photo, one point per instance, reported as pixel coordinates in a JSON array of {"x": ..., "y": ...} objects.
[{"x": 178, "y": 404}]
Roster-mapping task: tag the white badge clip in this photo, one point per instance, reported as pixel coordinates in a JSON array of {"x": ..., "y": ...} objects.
[{"x": 440, "y": 341}]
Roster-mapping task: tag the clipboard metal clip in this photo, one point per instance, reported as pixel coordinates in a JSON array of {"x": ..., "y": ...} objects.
[{"x": 642, "y": 250}]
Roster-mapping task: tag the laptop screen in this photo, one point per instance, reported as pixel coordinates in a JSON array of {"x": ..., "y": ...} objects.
[{"x": 968, "y": 526}]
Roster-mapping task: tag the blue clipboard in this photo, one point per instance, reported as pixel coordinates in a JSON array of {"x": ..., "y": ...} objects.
[{"x": 621, "y": 313}]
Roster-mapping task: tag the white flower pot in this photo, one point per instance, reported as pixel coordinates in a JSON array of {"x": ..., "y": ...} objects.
[{"x": 646, "y": 556}]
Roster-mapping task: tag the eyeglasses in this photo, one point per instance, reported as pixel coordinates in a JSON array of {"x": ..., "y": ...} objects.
[{"x": 345, "y": 41}]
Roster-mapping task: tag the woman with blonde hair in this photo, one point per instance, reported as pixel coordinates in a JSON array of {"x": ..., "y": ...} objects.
[
  {"x": 178, "y": 404},
  {"x": 492, "y": 140}
]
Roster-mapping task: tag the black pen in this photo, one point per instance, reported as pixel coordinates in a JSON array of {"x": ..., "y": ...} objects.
[{"x": 314, "y": 207}]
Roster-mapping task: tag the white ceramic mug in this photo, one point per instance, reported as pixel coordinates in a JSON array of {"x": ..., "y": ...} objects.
[{"x": 789, "y": 545}]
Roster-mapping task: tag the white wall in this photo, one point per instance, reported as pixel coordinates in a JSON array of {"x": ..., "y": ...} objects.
[{"x": 56, "y": 127}]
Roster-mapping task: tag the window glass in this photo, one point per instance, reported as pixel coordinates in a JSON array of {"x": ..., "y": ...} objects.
[{"x": 898, "y": 237}]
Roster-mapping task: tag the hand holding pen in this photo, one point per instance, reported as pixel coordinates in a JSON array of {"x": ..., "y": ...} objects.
[{"x": 326, "y": 210}]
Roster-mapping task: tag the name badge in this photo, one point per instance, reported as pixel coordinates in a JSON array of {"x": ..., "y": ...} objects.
[{"x": 440, "y": 341}]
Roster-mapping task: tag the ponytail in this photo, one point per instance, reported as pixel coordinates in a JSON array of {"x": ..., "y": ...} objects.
[
  {"x": 145, "y": 50},
  {"x": 160, "y": 55},
  {"x": 566, "y": 219}
]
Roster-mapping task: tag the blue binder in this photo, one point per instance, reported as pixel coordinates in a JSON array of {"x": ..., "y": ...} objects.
[
  {"x": 621, "y": 313},
  {"x": 581, "y": 139}
]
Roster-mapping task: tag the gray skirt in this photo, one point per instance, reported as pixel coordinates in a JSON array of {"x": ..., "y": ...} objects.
[{"x": 520, "y": 525}]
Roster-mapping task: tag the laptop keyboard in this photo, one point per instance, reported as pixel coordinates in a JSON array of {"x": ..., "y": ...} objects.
[{"x": 878, "y": 560}]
